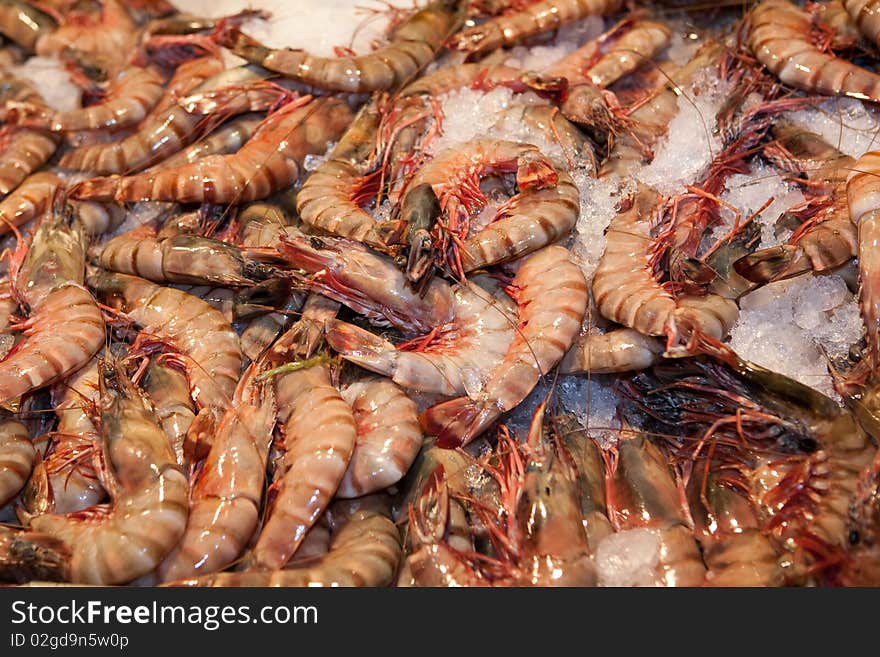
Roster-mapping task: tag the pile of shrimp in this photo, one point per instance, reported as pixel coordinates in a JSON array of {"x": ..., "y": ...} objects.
[{"x": 303, "y": 318}]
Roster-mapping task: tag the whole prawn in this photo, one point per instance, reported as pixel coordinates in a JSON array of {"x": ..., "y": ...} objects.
[
  {"x": 268, "y": 162},
  {"x": 411, "y": 47},
  {"x": 551, "y": 297}
]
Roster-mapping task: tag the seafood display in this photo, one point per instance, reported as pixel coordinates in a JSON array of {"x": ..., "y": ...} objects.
[{"x": 520, "y": 293}]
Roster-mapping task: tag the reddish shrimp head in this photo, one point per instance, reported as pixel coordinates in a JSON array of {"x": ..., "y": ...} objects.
[
  {"x": 411, "y": 47},
  {"x": 551, "y": 298},
  {"x": 270, "y": 161},
  {"x": 117, "y": 543},
  {"x": 544, "y": 16},
  {"x": 455, "y": 359},
  {"x": 64, "y": 328},
  {"x": 780, "y": 39},
  {"x": 367, "y": 282}
]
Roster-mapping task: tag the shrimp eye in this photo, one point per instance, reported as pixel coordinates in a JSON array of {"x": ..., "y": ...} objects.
[
  {"x": 853, "y": 536},
  {"x": 316, "y": 243}
]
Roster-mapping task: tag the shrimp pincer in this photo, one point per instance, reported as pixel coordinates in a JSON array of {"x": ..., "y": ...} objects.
[
  {"x": 388, "y": 437},
  {"x": 65, "y": 327},
  {"x": 270, "y": 161},
  {"x": 17, "y": 456},
  {"x": 457, "y": 359},
  {"x": 551, "y": 297},
  {"x": 367, "y": 282},
  {"x": 365, "y": 551},
  {"x": 226, "y": 495},
  {"x": 129, "y": 538},
  {"x": 179, "y": 259},
  {"x": 211, "y": 351},
  {"x": 411, "y": 47},
  {"x": 319, "y": 438},
  {"x": 544, "y": 16},
  {"x": 780, "y": 39},
  {"x": 131, "y": 95}
]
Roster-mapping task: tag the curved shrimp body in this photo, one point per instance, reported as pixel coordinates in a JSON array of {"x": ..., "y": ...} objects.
[
  {"x": 162, "y": 133},
  {"x": 457, "y": 359},
  {"x": 17, "y": 455},
  {"x": 627, "y": 292},
  {"x": 131, "y": 95},
  {"x": 643, "y": 494},
  {"x": 29, "y": 200},
  {"x": 863, "y": 193},
  {"x": 364, "y": 552},
  {"x": 780, "y": 39},
  {"x": 29, "y": 556},
  {"x": 229, "y": 138},
  {"x": 267, "y": 163},
  {"x": 104, "y": 33},
  {"x": 148, "y": 514},
  {"x": 619, "y": 350},
  {"x": 412, "y": 46},
  {"x": 319, "y": 437},
  {"x": 327, "y": 200},
  {"x": 23, "y": 151},
  {"x": 65, "y": 327},
  {"x": 601, "y": 65},
  {"x": 866, "y": 15},
  {"x": 178, "y": 259},
  {"x": 551, "y": 297},
  {"x": 211, "y": 351},
  {"x": 24, "y": 24},
  {"x": 388, "y": 437},
  {"x": 168, "y": 389},
  {"x": 226, "y": 496},
  {"x": 544, "y": 16},
  {"x": 473, "y": 75},
  {"x": 735, "y": 550},
  {"x": 367, "y": 282}
]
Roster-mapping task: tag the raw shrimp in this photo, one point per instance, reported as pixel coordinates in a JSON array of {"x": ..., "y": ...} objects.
[
  {"x": 643, "y": 494},
  {"x": 130, "y": 96},
  {"x": 210, "y": 348},
  {"x": 24, "y": 24},
  {"x": 329, "y": 199},
  {"x": 551, "y": 296},
  {"x": 270, "y": 161},
  {"x": 179, "y": 259},
  {"x": 863, "y": 193},
  {"x": 22, "y": 151},
  {"x": 367, "y": 282},
  {"x": 411, "y": 47},
  {"x": 510, "y": 29},
  {"x": 780, "y": 39},
  {"x": 104, "y": 34},
  {"x": 457, "y": 359},
  {"x": 303, "y": 339},
  {"x": 388, "y": 437},
  {"x": 365, "y": 551},
  {"x": 27, "y": 556},
  {"x": 619, "y": 350},
  {"x": 163, "y": 132},
  {"x": 627, "y": 292},
  {"x": 17, "y": 456},
  {"x": 226, "y": 495},
  {"x": 866, "y": 15},
  {"x": 229, "y": 138},
  {"x": 735, "y": 550},
  {"x": 319, "y": 437},
  {"x": 168, "y": 389},
  {"x": 130, "y": 537},
  {"x": 29, "y": 200},
  {"x": 64, "y": 328}
]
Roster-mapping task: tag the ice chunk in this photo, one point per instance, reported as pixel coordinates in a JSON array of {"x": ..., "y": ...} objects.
[
  {"x": 48, "y": 76},
  {"x": 594, "y": 403},
  {"x": 844, "y": 123},
  {"x": 628, "y": 558},
  {"x": 599, "y": 200}
]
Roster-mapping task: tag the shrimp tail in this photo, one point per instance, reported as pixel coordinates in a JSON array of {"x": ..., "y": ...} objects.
[
  {"x": 772, "y": 264},
  {"x": 456, "y": 422},
  {"x": 96, "y": 189},
  {"x": 360, "y": 346},
  {"x": 535, "y": 173},
  {"x": 226, "y": 34}
]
